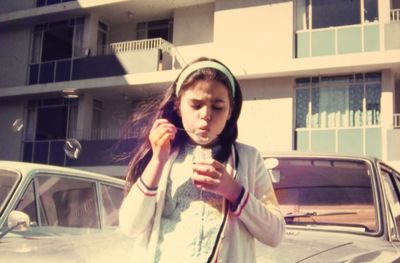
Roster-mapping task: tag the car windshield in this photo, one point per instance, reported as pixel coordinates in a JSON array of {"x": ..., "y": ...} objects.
[
  {"x": 325, "y": 192},
  {"x": 8, "y": 182}
]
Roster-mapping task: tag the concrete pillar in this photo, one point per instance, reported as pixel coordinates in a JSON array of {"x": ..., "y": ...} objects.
[{"x": 387, "y": 108}]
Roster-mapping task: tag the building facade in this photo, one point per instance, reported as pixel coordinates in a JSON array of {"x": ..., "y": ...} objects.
[{"x": 316, "y": 75}]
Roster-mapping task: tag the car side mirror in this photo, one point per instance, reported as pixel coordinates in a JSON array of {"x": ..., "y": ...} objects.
[
  {"x": 270, "y": 164},
  {"x": 18, "y": 221}
]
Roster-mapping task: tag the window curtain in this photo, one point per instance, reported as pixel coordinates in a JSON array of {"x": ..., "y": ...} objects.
[
  {"x": 373, "y": 108},
  {"x": 72, "y": 121},
  {"x": 330, "y": 107},
  {"x": 302, "y": 114},
  {"x": 31, "y": 124},
  {"x": 78, "y": 39},
  {"x": 355, "y": 106},
  {"x": 302, "y": 14}
]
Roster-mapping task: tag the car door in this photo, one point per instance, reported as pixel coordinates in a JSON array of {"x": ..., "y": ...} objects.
[
  {"x": 64, "y": 201},
  {"x": 57, "y": 200},
  {"x": 391, "y": 185}
]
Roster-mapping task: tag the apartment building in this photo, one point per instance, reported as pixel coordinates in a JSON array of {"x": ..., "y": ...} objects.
[{"x": 317, "y": 75}]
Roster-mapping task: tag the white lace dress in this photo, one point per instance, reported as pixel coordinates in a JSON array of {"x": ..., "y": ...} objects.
[{"x": 191, "y": 218}]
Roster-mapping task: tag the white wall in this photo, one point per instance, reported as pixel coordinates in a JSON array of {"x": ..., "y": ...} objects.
[
  {"x": 254, "y": 33},
  {"x": 10, "y": 139},
  {"x": 193, "y": 25},
  {"x": 387, "y": 108},
  {"x": 14, "y": 56},
  {"x": 266, "y": 120}
]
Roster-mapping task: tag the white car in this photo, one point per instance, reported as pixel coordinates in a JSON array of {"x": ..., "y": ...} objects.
[
  {"x": 56, "y": 214},
  {"x": 57, "y": 200},
  {"x": 338, "y": 208}
]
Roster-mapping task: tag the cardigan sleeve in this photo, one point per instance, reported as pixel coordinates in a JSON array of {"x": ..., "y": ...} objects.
[
  {"x": 258, "y": 207},
  {"x": 137, "y": 210}
]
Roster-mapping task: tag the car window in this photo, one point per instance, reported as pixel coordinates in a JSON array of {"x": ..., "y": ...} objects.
[
  {"x": 8, "y": 182},
  {"x": 390, "y": 184},
  {"x": 112, "y": 198},
  {"x": 326, "y": 192},
  {"x": 61, "y": 201},
  {"x": 27, "y": 204}
]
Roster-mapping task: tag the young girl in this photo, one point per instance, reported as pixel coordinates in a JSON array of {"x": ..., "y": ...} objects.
[{"x": 181, "y": 209}]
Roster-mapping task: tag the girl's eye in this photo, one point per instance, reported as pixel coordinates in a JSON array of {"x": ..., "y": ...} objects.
[
  {"x": 196, "y": 106},
  {"x": 199, "y": 106},
  {"x": 217, "y": 108}
]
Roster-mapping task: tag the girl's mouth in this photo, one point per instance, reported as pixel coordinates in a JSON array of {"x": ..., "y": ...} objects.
[{"x": 202, "y": 134}]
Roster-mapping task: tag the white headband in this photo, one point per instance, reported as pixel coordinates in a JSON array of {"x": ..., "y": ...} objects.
[{"x": 204, "y": 64}]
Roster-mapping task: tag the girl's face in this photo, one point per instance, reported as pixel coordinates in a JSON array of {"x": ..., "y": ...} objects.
[{"x": 205, "y": 108}]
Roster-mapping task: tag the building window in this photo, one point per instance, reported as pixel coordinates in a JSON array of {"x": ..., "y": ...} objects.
[
  {"x": 155, "y": 29},
  {"x": 331, "y": 111},
  {"x": 314, "y": 14},
  {"x": 97, "y": 119},
  {"x": 395, "y": 4},
  {"x": 330, "y": 102},
  {"x": 58, "y": 40},
  {"x": 53, "y": 47},
  {"x": 102, "y": 38},
  {"x": 44, "y": 139}
]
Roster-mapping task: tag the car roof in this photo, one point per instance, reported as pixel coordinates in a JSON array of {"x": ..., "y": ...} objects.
[
  {"x": 301, "y": 154},
  {"x": 25, "y": 169}
]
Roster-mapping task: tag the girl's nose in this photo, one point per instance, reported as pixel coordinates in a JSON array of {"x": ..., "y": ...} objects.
[{"x": 205, "y": 113}]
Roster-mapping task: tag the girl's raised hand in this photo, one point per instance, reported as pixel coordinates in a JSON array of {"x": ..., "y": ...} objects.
[{"x": 161, "y": 133}]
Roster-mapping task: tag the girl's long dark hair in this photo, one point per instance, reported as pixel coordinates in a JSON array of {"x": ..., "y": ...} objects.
[{"x": 166, "y": 107}]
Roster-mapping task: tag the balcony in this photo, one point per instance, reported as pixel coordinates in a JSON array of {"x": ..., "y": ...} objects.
[
  {"x": 115, "y": 59},
  {"x": 392, "y": 30},
  {"x": 337, "y": 40},
  {"x": 100, "y": 147},
  {"x": 396, "y": 121},
  {"x": 349, "y": 39},
  {"x": 393, "y": 139},
  {"x": 395, "y": 15}
]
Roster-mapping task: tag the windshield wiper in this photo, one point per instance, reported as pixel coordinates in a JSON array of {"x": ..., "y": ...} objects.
[
  {"x": 289, "y": 218},
  {"x": 311, "y": 214}
]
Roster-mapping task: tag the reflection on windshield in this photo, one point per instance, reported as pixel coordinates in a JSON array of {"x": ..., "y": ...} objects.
[
  {"x": 8, "y": 182},
  {"x": 338, "y": 192}
]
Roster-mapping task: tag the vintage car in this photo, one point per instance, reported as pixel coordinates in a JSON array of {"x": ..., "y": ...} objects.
[
  {"x": 57, "y": 200},
  {"x": 337, "y": 208},
  {"x": 57, "y": 214}
]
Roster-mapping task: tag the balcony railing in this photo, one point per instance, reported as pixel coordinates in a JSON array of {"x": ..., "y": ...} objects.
[
  {"x": 396, "y": 120},
  {"x": 92, "y": 65},
  {"x": 92, "y": 152},
  {"x": 116, "y": 133},
  {"x": 101, "y": 146},
  {"x": 395, "y": 15},
  {"x": 136, "y": 45},
  {"x": 337, "y": 40}
]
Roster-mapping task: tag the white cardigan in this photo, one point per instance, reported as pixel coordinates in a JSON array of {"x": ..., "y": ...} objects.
[{"x": 256, "y": 216}]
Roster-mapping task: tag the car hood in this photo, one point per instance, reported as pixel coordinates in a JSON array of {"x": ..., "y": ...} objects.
[
  {"x": 298, "y": 246},
  {"x": 99, "y": 247},
  {"x": 314, "y": 246}
]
